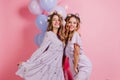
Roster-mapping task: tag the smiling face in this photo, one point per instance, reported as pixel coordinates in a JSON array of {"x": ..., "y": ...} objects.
[
  {"x": 55, "y": 21},
  {"x": 72, "y": 24},
  {"x": 55, "y": 24}
]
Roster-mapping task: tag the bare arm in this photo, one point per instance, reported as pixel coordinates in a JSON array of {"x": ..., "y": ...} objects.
[{"x": 76, "y": 56}]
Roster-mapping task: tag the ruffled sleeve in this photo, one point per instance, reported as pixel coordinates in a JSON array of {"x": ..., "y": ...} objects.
[
  {"x": 22, "y": 71},
  {"x": 76, "y": 39},
  {"x": 45, "y": 44}
]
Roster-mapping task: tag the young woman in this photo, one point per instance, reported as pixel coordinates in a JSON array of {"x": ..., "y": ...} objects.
[
  {"x": 80, "y": 65},
  {"x": 46, "y": 62}
]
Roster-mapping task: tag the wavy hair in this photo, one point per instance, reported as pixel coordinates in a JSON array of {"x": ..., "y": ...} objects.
[
  {"x": 60, "y": 33},
  {"x": 69, "y": 34}
]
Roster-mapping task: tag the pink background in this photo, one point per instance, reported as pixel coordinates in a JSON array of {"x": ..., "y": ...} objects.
[{"x": 100, "y": 31}]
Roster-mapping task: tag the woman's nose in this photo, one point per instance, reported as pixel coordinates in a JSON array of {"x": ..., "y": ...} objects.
[
  {"x": 56, "y": 21},
  {"x": 71, "y": 24}
]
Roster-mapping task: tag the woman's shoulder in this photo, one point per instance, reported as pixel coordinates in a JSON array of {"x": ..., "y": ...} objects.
[
  {"x": 76, "y": 38},
  {"x": 48, "y": 33},
  {"x": 77, "y": 34}
]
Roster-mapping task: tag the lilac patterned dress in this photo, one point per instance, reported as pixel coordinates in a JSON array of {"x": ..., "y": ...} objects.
[
  {"x": 46, "y": 62},
  {"x": 84, "y": 64}
]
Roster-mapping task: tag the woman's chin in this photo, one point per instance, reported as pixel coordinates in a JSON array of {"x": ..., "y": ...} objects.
[
  {"x": 71, "y": 29},
  {"x": 57, "y": 26}
]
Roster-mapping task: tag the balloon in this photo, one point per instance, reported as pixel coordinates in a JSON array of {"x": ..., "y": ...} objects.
[
  {"x": 38, "y": 39},
  {"x": 34, "y": 7},
  {"x": 41, "y": 22},
  {"x": 48, "y": 4},
  {"x": 60, "y": 10}
]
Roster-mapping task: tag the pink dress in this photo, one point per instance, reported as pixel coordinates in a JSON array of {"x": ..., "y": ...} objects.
[
  {"x": 84, "y": 64},
  {"x": 46, "y": 62}
]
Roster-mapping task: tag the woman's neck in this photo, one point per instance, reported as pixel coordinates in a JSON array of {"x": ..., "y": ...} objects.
[{"x": 55, "y": 31}]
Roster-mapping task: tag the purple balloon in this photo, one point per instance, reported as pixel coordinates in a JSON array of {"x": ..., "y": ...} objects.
[
  {"x": 41, "y": 22},
  {"x": 34, "y": 7},
  {"x": 39, "y": 38}
]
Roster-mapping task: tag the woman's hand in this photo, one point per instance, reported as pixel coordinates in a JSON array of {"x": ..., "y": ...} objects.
[
  {"x": 76, "y": 69},
  {"x": 76, "y": 57},
  {"x": 20, "y": 63}
]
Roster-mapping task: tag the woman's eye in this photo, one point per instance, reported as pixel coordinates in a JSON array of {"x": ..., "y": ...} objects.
[
  {"x": 74, "y": 22},
  {"x": 54, "y": 20},
  {"x": 69, "y": 22}
]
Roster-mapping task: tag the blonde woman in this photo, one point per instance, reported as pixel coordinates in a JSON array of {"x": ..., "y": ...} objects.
[
  {"x": 46, "y": 62},
  {"x": 80, "y": 65}
]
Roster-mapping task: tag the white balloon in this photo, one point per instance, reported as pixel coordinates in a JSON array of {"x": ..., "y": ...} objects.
[{"x": 61, "y": 10}]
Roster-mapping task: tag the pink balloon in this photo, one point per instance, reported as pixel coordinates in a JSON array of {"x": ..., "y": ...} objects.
[{"x": 34, "y": 7}]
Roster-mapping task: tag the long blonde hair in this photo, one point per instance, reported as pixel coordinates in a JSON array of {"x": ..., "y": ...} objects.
[
  {"x": 69, "y": 34},
  {"x": 60, "y": 32}
]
